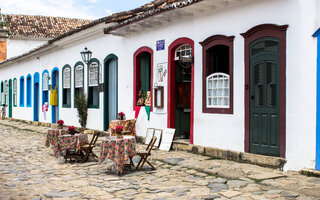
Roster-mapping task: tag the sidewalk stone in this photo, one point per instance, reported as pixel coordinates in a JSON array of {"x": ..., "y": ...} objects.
[{"x": 28, "y": 170}]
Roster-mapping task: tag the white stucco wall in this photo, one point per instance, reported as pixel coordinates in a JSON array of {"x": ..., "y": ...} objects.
[
  {"x": 16, "y": 47},
  {"x": 224, "y": 131}
]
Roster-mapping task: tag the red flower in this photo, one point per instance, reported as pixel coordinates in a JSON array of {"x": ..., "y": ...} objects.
[
  {"x": 60, "y": 122},
  {"x": 119, "y": 129},
  {"x": 120, "y": 114},
  {"x": 70, "y": 128}
]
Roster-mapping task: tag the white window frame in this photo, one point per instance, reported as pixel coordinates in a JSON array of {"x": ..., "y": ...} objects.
[
  {"x": 79, "y": 76},
  {"x": 218, "y": 90},
  {"x": 45, "y": 83},
  {"x": 184, "y": 50},
  {"x": 67, "y": 78},
  {"x": 93, "y": 74}
]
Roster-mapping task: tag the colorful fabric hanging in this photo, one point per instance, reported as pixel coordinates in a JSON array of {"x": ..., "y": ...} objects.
[
  {"x": 148, "y": 111},
  {"x": 53, "y": 97},
  {"x": 137, "y": 109}
]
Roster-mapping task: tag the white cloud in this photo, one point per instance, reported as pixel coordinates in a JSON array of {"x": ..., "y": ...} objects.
[
  {"x": 92, "y": 1},
  {"x": 63, "y": 8},
  {"x": 108, "y": 12}
]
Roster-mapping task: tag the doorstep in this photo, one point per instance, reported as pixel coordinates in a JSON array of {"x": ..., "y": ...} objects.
[
  {"x": 261, "y": 160},
  {"x": 310, "y": 172}
]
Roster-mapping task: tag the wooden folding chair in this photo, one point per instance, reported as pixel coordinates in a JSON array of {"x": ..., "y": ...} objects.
[
  {"x": 87, "y": 148},
  {"x": 145, "y": 154}
]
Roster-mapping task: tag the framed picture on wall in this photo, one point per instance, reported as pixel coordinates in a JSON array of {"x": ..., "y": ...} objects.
[
  {"x": 149, "y": 136},
  {"x": 158, "y": 97}
]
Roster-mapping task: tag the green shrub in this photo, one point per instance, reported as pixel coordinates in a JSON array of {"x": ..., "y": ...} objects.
[{"x": 82, "y": 107}]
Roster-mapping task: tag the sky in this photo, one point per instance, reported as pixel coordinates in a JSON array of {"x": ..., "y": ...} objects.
[{"x": 83, "y": 9}]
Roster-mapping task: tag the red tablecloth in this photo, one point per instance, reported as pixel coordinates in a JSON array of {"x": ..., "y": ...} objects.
[{"x": 118, "y": 150}]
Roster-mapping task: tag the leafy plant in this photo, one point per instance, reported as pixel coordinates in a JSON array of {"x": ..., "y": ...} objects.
[{"x": 82, "y": 108}]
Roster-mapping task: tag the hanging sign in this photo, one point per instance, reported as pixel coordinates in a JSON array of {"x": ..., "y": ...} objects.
[
  {"x": 160, "y": 45},
  {"x": 185, "y": 61}
]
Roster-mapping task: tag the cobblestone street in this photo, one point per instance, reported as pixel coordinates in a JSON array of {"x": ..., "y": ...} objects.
[{"x": 28, "y": 170}]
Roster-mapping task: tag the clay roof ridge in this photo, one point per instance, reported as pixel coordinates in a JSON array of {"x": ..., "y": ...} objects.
[{"x": 152, "y": 12}]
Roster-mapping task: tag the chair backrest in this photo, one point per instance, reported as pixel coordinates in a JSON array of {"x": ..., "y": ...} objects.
[
  {"x": 94, "y": 138},
  {"x": 151, "y": 144}
]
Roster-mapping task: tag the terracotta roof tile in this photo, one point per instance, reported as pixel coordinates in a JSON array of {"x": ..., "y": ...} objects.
[{"x": 42, "y": 27}]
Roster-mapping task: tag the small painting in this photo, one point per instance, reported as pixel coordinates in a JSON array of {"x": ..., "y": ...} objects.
[
  {"x": 149, "y": 136},
  {"x": 157, "y": 134},
  {"x": 167, "y": 138}
]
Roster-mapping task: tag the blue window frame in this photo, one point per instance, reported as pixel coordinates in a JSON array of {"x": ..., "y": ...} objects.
[
  {"x": 29, "y": 90},
  {"x": 21, "y": 91},
  {"x": 45, "y": 87}
]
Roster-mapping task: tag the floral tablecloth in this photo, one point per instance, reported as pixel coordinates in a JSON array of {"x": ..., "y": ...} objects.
[
  {"x": 118, "y": 150},
  {"x": 65, "y": 142},
  {"x": 53, "y": 135}
]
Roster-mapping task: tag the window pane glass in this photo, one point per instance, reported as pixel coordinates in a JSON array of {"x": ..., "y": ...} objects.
[{"x": 267, "y": 45}]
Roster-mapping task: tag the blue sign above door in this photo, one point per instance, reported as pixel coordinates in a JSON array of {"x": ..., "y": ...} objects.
[{"x": 160, "y": 45}]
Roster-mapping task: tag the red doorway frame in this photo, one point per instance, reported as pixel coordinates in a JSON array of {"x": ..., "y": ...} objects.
[
  {"x": 171, "y": 83},
  {"x": 252, "y": 34},
  {"x": 136, "y": 75}
]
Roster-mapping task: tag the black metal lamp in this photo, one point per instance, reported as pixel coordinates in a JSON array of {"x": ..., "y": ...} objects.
[{"x": 86, "y": 55}]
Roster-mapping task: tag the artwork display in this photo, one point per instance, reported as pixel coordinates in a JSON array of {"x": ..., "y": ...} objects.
[
  {"x": 167, "y": 138},
  {"x": 149, "y": 136},
  {"x": 157, "y": 134}
]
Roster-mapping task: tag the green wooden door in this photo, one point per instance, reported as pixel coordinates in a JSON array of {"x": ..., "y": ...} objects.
[
  {"x": 145, "y": 63},
  {"x": 265, "y": 96},
  {"x": 10, "y": 98}
]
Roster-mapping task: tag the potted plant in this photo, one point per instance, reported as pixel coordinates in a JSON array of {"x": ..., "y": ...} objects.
[
  {"x": 60, "y": 123},
  {"x": 82, "y": 108}
]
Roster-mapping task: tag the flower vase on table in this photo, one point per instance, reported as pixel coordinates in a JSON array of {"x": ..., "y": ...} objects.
[
  {"x": 118, "y": 131},
  {"x": 121, "y": 116},
  {"x": 60, "y": 123},
  {"x": 71, "y": 130}
]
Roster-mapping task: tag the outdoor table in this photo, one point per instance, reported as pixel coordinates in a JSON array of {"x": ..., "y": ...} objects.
[
  {"x": 119, "y": 150},
  {"x": 53, "y": 135},
  {"x": 65, "y": 142}
]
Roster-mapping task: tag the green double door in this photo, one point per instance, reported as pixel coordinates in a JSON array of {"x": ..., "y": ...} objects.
[{"x": 265, "y": 96}]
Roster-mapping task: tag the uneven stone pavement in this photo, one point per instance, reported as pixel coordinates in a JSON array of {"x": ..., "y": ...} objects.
[{"x": 28, "y": 170}]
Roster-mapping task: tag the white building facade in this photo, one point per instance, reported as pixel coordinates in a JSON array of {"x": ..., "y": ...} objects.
[{"x": 236, "y": 75}]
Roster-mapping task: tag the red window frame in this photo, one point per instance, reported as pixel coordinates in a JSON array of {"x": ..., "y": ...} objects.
[{"x": 206, "y": 45}]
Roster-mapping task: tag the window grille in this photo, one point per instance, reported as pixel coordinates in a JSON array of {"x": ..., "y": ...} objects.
[
  {"x": 218, "y": 90},
  {"x": 15, "y": 92},
  {"x": 45, "y": 82},
  {"x": 79, "y": 76},
  {"x": 183, "y": 51},
  {"x": 66, "y": 78},
  {"x": 93, "y": 74}
]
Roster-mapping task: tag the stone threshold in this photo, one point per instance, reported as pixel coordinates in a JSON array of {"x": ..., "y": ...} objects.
[
  {"x": 261, "y": 160},
  {"x": 310, "y": 172}
]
